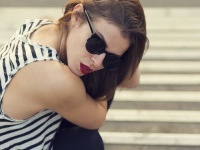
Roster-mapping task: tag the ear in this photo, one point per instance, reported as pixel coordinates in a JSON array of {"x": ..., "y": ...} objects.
[{"x": 78, "y": 9}]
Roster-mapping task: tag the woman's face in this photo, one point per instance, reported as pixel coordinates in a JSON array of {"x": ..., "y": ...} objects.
[{"x": 80, "y": 61}]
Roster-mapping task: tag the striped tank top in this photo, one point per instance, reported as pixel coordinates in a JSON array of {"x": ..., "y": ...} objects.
[{"x": 36, "y": 132}]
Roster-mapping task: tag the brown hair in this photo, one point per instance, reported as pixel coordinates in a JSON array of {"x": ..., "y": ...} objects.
[{"x": 129, "y": 16}]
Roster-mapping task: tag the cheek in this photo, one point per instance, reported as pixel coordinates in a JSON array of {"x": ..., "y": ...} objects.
[
  {"x": 76, "y": 41},
  {"x": 76, "y": 51}
]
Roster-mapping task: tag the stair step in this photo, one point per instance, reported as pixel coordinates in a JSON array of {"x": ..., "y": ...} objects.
[
  {"x": 169, "y": 35},
  {"x": 156, "y": 105},
  {"x": 170, "y": 26},
  {"x": 157, "y": 100},
  {"x": 174, "y": 23},
  {"x": 167, "y": 87},
  {"x": 172, "y": 12},
  {"x": 170, "y": 79},
  {"x": 151, "y": 138},
  {"x": 157, "y": 96},
  {"x": 151, "y": 127},
  {"x": 148, "y": 147},
  {"x": 172, "y": 54},
  {"x": 153, "y": 115},
  {"x": 175, "y": 43},
  {"x": 153, "y": 66}
]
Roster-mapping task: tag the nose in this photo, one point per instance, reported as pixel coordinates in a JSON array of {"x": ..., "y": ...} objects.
[{"x": 98, "y": 60}]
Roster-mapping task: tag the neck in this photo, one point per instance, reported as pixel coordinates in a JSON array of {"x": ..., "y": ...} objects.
[{"x": 62, "y": 46}]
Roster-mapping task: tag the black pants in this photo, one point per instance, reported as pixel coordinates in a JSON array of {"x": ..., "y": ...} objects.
[
  {"x": 76, "y": 138},
  {"x": 71, "y": 137}
]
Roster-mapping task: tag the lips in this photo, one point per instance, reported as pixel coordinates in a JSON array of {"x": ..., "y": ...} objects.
[{"x": 85, "y": 69}]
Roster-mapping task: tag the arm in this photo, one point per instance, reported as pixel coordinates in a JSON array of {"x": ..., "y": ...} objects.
[{"x": 64, "y": 92}]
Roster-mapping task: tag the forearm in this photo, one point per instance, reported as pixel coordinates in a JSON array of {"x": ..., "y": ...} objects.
[
  {"x": 88, "y": 114},
  {"x": 96, "y": 114}
]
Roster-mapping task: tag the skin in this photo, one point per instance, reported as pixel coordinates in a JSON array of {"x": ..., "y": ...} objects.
[
  {"x": 52, "y": 85},
  {"x": 115, "y": 45}
]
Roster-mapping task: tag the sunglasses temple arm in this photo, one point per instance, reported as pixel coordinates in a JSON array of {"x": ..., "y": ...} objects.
[{"x": 89, "y": 21}]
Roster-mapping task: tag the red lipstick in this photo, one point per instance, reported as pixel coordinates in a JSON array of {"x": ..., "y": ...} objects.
[{"x": 85, "y": 69}]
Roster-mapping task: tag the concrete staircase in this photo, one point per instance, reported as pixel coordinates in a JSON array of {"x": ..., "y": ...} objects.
[{"x": 163, "y": 112}]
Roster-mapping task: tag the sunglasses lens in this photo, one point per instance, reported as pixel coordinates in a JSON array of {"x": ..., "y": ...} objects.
[
  {"x": 111, "y": 62},
  {"x": 95, "y": 45}
]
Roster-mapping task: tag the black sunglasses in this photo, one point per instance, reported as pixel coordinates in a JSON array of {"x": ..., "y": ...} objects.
[{"x": 95, "y": 45}]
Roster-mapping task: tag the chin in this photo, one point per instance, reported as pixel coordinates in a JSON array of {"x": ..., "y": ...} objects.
[{"x": 76, "y": 72}]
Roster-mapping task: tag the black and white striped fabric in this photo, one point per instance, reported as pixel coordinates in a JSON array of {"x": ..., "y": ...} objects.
[{"x": 38, "y": 131}]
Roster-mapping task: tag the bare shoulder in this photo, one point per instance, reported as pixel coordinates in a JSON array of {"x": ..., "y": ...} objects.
[
  {"x": 51, "y": 31},
  {"x": 53, "y": 82},
  {"x": 46, "y": 82},
  {"x": 38, "y": 86}
]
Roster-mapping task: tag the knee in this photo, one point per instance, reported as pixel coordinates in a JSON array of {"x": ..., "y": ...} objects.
[{"x": 78, "y": 138}]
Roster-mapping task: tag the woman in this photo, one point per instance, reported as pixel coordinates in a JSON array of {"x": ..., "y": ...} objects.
[{"x": 101, "y": 41}]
